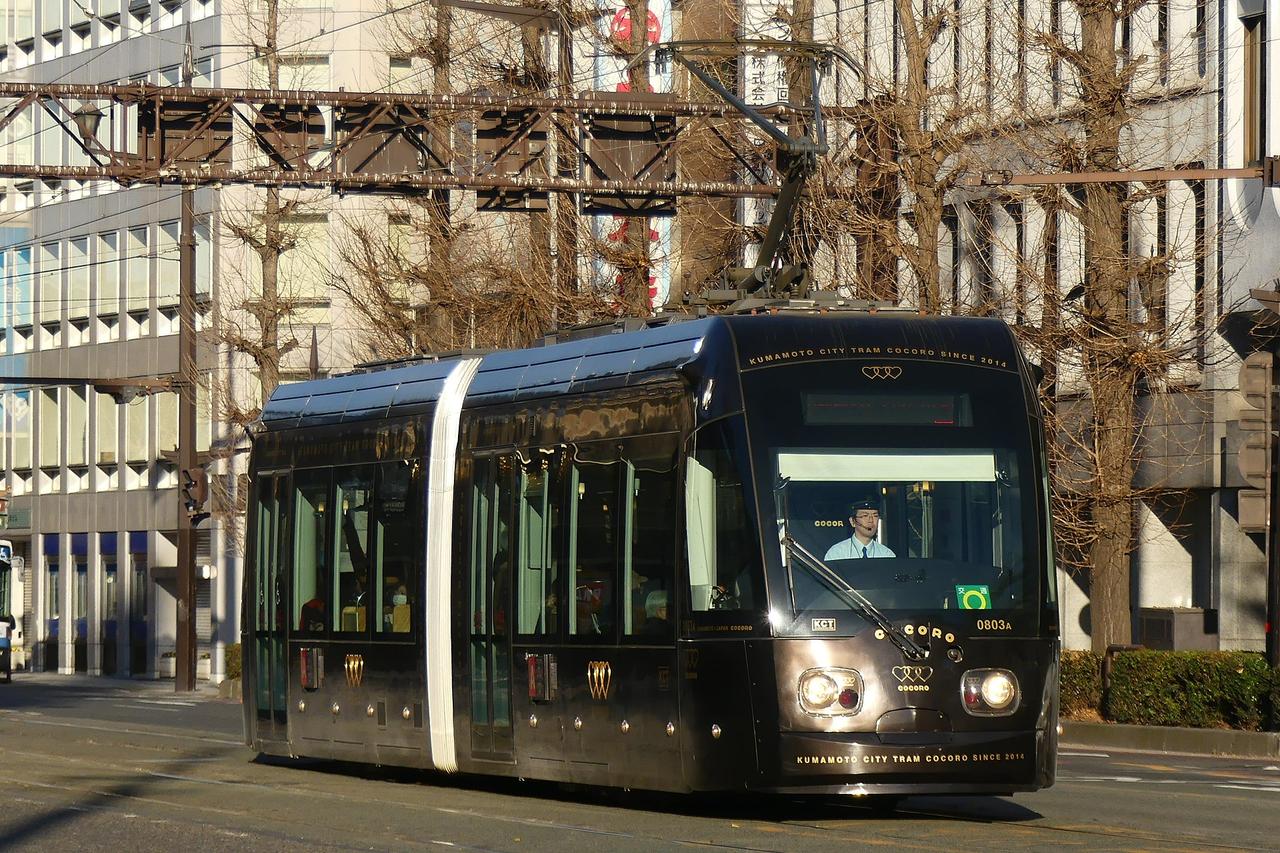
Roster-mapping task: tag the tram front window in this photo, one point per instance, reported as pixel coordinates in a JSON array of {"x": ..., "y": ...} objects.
[
  {"x": 909, "y": 529},
  {"x": 920, "y": 496}
]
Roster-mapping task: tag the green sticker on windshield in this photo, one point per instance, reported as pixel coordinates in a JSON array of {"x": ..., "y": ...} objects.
[{"x": 973, "y": 597}]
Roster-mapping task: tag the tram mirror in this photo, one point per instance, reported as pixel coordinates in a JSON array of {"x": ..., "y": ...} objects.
[{"x": 700, "y": 503}]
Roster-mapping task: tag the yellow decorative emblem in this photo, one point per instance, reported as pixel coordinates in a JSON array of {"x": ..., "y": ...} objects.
[
  {"x": 882, "y": 371},
  {"x": 355, "y": 669},
  {"x": 599, "y": 674},
  {"x": 908, "y": 674}
]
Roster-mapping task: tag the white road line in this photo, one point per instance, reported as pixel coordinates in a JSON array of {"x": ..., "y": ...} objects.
[
  {"x": 1085, "y": 754},
  {"x": 1238, "y": 784}
]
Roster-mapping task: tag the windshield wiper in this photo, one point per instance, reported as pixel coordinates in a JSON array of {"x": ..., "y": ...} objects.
[{"x": 850, "y": 596}]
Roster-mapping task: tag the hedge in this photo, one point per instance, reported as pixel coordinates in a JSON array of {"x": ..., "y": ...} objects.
[
  {"x": 1081, "y": 685},
  {"x": 1196, "y": 689},
  {"x": 1155, "y": 688},
  {"x": 232, "y": 660}
]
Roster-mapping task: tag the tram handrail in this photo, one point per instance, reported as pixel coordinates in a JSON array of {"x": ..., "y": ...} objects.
[{"x": 856, "y": 600}]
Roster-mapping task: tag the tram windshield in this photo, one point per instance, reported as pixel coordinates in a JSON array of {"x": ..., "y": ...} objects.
[{"x": 920, "y": 499}]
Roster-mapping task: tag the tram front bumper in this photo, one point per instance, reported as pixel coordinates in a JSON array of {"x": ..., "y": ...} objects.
[{"x": 925, "y": 763}]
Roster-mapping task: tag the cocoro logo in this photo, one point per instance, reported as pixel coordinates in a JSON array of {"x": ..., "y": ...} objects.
[
  {"x": 882, "y": 371},
  {"x": 912, "y": 678}
]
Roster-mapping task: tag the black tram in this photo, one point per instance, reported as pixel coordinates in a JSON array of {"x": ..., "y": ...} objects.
[{"x": 628, "y": 560}]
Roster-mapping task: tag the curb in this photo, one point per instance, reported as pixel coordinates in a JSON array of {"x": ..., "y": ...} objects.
[{"x": 1169, "y": 739}]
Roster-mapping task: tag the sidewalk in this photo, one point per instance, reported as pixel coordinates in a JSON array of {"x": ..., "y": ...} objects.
[
  {"x": 82, "y": 681},
  {"x": 1077, "y": 735}
]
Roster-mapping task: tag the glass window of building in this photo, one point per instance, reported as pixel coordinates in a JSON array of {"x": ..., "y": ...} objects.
[
  {"x": 139, "y": 600},
  {"x": 50, "y": 431},
  {"x": 108, "y": 429},
  {"x": 77, "y": 426},
  {"x": 168, "y": 268},
  {"x": 107, "y": 269},
  {"x": 80, "y": 601},
  {"x": 52, "y": 602},
  {"x": 109, "y": 612},
  {"x": 137, "y": 270},
  {"x": 50, "y": 283},
  {"x": 135, "y": 430}
]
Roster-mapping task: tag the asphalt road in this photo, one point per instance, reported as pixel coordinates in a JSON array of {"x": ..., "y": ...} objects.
[{"x": 94, "y": 764}]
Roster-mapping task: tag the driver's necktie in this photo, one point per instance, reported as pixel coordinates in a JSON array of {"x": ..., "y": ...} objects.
[{"x": 864, "y": 551}]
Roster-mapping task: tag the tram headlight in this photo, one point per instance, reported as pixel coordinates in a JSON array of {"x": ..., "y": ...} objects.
[
  {"x": 830, "y": 691},
  {"x": 990, "y": 692}
]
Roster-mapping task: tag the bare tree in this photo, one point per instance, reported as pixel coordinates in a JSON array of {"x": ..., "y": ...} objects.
[
  {"x": 971, "y": 90},
  {"x": 258, "y": 303}
]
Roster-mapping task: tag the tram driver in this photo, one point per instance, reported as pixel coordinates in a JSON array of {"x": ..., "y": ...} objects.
[{"x": 865, "y": 521}]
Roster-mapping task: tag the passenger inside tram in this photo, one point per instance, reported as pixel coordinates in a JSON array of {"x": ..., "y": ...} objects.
[{"x": 655, "y": 615}]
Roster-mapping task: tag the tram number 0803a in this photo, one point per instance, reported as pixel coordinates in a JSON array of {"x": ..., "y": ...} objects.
[{"x": 686, "y": 558}]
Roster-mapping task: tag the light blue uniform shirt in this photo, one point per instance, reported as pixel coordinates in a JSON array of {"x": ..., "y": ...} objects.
[{"x": 851, "y": 549}]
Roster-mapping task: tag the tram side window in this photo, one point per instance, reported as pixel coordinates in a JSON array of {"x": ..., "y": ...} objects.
[
  {"x": 724, "y": 565},
  {"x": 538, "y": 531},
  {"x": 593, "y": 547},
  {"x": 311, "y": 549},
  {"x": 649, "y": 560},
  {"x": 352, "y": 502},
  {"x": 490, "y": 579},
  {"x": 397, "y": 513}
]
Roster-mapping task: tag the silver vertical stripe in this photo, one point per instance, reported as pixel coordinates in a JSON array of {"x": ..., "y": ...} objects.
[{"x": 439, "y": 653}]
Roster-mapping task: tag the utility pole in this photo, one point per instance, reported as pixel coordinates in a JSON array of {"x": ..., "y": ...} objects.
[{"x": 185, "y": 669}]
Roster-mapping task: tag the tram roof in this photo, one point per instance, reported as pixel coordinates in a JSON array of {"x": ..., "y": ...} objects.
[{"x": 605, "y": 361}]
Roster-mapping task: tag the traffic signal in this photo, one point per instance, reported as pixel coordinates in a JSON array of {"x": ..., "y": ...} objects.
[
  {"x": 195, "y": 491},
  {"x": 1256, "y": 423}
]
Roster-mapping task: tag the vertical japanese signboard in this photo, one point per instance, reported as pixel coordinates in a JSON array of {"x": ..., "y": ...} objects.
[{"x": 763, "y": 81}]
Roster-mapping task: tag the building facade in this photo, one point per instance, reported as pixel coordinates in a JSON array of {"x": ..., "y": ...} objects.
[
  {"x": 1003, "y": 75},
  {"x": 89, "y": 275}
]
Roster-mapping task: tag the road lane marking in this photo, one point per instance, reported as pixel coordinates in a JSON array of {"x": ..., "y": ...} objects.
[{"x": 1084, "y": 754}]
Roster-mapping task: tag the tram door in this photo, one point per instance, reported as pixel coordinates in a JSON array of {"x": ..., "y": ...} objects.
[
  {"x": 271, "y": 517},
  {"x": 489, "y": 593}
]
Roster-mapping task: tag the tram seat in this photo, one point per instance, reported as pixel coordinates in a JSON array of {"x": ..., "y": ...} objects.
[
  {"x": 400, "y": 619},
  {"x": 353, "y": 618}
]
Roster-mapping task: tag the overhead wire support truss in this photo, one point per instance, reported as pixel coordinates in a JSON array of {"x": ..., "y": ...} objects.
[{"x": 384, "y": 142}]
